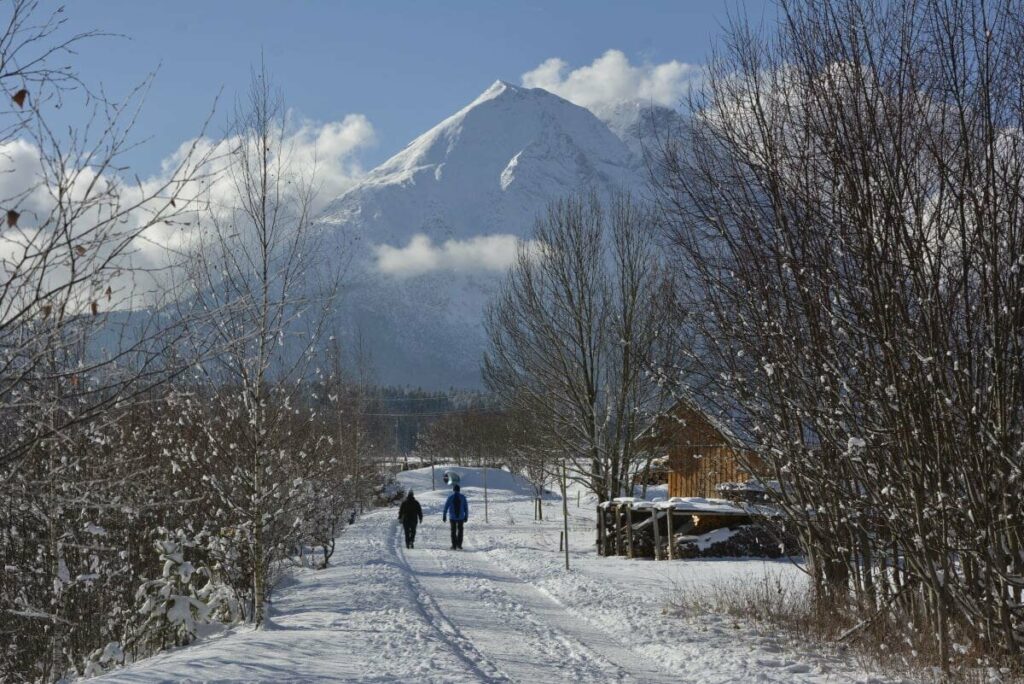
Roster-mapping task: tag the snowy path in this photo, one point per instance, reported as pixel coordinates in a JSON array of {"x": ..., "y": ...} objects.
[
  {"x": 503, "y": 610},
  {"x": 533, "y": 635},
  {"x": 359, "y": 620}
]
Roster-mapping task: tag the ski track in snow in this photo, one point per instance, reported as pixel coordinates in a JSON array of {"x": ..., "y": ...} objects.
[
  {"x": 503, "y": 610},
  {"x": 427, "y": 602},
  {"x": 533, "y": 632}
]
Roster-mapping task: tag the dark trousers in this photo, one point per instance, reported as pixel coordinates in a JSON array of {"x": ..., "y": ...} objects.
[
  {"x": 456, "y": 533},
  {"x": 410, "y": 533}
]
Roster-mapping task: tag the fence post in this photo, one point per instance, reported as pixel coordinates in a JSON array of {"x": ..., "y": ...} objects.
[{"x": 565, "y": 513}]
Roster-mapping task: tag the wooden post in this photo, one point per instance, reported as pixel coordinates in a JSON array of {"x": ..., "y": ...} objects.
[
  {"x": 561, "y": 536},
  {"x": 629, "y": 529},
  {"x": 486, "y": 519},
  {"x": 600, "y": 532},
  {"x": 613, "y": 529},
  {"x": 565, "y": 513},
  {"x": 578, "y": 498},
  {"x": 619, "y": 532},
  {"x": 657, "y": 534},
  {"x": 671, "y": 536}
]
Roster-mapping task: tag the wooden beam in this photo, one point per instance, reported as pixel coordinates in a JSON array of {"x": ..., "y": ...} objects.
[
  {"x": 629, "y": 529},
  {"x": 619, "y": 532},
  {"x": 671, "y": 536},
  {"x": 600, "y": 531},
  {"x": 657, "y": 534}
]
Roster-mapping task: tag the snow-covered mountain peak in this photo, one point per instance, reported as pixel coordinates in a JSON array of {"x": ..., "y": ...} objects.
[
  {"x": 488, "y": 168},
  {"x": 496, "y": 90},
  {"x": 437, "y": 211}
]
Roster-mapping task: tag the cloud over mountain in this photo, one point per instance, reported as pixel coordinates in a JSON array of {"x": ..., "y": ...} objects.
[
  {"x": 612, "y": 78},
  {"x": 325, "y": 152},
  {"x": 421, "y": 255}
]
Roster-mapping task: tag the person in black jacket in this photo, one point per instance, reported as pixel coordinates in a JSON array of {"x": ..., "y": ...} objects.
[{"x": 411, "y": 514}]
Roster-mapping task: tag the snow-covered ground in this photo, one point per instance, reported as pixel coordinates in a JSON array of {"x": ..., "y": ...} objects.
[{"x": 504, "y": 609}]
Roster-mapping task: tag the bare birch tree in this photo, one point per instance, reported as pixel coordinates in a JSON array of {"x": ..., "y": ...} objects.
[{"x": 256, "y": 268}]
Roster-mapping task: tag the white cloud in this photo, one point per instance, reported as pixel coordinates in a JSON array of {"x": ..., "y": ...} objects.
[
  {"x": 421, "y": 255},
  {"x": 612, "y": 78},
  {"x": 331, "y": 149},
  {"x": 324, "y": 152},
  {"x": 327, "y": 153}
]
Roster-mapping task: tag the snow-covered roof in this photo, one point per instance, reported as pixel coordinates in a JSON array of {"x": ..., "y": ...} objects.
[
  {"x": 701, "y": 505},
  {"x": 751, "y": 485},
  {"x": 693, "y": 504},
  {"x": 696, "y": 505},
  {"x": 690, "y": 402}
]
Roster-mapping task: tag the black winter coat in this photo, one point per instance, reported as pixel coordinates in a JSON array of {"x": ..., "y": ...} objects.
[{"x": 410, "y": 512}]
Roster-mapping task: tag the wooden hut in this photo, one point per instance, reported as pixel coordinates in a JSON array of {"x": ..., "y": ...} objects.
[
  {"x": 700, "y": 454},
  {"x": 691, "y": 527}
]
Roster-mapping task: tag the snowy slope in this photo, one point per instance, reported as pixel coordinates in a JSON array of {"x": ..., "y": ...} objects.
[
  {"x": 642, "y": 126},
  {"x": 487, "y": 170},
  {"x": 503, "y": 610}
]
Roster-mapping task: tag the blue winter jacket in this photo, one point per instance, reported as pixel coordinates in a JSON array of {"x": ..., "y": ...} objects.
[{"x": 449, "y": 508}]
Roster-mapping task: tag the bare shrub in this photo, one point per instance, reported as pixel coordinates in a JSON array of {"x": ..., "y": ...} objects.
[{"x": 784, "y": 605}]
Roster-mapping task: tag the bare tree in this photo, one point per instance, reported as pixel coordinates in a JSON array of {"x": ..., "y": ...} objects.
[
  {"x": 845, "y": 207},
  {"x": 571, "y": 332},
  {"x": 73, "y": 362},
  {"x": 72, "y": 226},
  {"x": 256, "y": 267}
]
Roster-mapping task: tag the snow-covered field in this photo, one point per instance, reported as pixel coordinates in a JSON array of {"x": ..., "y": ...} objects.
[{"x": 504, "y": 609}]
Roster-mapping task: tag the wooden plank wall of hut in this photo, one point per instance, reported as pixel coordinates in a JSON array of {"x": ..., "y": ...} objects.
[{"x": 697, "y": 470}]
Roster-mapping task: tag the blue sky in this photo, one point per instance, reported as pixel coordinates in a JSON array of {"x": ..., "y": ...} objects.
[{"x": 404, "y": 65}]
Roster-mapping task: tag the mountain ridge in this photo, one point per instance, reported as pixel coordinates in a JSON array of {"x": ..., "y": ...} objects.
[{"x": 485, "y": 168}]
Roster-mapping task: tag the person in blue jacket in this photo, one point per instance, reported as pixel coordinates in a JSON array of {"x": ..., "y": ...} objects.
[{"x": 456, "y": 509}]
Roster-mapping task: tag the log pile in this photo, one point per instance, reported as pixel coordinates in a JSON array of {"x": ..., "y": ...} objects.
[{"x": 688, "y": 528}]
